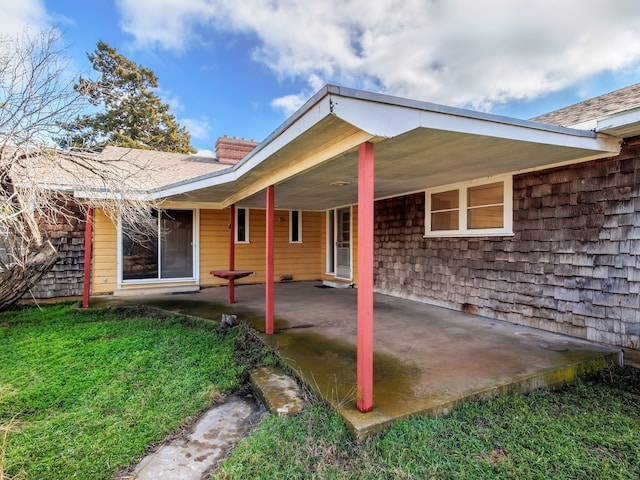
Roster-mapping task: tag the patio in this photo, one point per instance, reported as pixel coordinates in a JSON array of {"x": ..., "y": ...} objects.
[{"x": 427, "y": 359}]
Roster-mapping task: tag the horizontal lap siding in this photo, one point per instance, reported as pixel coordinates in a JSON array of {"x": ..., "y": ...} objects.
[
  {"x": 570, "y": 267},
  {"x": 214, "y": 245},
  {"x": 105, "y": 251},
  {"x": 301, "y": 260}
]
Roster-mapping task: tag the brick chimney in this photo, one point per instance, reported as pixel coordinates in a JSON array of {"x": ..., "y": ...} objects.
[{"x": 232, "y": 150}]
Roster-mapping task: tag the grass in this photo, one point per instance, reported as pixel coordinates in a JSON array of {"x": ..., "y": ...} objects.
[
  {"x": 588, "y": 430},
  {"x": 82, "y": 394},
  {"x": 86, "y": 392}
]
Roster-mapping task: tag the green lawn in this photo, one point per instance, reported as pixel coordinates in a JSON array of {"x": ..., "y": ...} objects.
[
  {"x": 89, "y": 390},
  {"x": 590, "y": 430}
]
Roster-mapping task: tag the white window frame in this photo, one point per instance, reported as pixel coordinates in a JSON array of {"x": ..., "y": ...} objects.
[
  {"x": 299, "y": 232},
  {"x": 330, "y": 241},
  {"x": 196, "y": 256},
  {"x": 246, "y": 225},
  {"x": 463, "y": 230}
]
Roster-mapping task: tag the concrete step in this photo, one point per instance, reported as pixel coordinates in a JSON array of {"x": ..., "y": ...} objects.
[
  {"x": 337, "y": 283},
  {"x": 279, "y": 392}
]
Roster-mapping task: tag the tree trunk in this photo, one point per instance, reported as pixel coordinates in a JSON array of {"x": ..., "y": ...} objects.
[{"x": 17, "y": 280}]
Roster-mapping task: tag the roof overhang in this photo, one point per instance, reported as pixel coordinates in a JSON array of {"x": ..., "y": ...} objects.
[
  {"x": 624, "y": 124},
  {"x": 312, "y": 157}
]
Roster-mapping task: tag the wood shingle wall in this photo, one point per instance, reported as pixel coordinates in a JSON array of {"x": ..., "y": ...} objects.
[
  {"x": 572, "y": 265},
  {"x": 66, "y": 277}
]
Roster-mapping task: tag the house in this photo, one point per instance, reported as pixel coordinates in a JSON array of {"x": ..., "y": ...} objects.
[
  {"x": 151, "y": 168},
  {"x": 533, "y": 222}
]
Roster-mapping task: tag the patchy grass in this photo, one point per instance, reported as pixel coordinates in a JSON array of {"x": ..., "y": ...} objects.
[
  {"x": 82, "y": 394},
  {"x": 89, "y": 390},
  {"x": 587, "y": 430}
]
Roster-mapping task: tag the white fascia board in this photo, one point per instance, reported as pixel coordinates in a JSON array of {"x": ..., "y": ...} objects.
[
  {"x": 387, "y": 120},
  {"x": 618, "y": 120},
  {"x": 45, "y": 186},
  {"x": 104, "y": 194},
  {"x": 588, "y": 125},
  {"x": 289, "y": 131}
]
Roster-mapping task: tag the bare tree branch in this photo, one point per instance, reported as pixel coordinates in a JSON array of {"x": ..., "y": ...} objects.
[{"x": 37, "y": 181}]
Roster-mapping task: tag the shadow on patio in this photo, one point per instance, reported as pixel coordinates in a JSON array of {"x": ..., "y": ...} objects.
[{"x": 427, "y": 359}]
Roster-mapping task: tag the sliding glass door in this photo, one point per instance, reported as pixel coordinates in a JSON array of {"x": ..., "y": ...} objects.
[{"x": 163, "y": 254}]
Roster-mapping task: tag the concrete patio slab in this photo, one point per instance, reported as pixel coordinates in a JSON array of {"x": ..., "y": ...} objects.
[{"x": 427, "y": 359}]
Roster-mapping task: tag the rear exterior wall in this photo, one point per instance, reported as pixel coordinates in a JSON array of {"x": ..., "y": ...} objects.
[
  {"x": 65, "y": 279},
  {"x": 571, "y": 266}
]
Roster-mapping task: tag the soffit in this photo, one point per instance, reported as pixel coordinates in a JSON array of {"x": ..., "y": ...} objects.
[
  {"x": 414, "y": 161},
  {"x": 417, "y": 146}
]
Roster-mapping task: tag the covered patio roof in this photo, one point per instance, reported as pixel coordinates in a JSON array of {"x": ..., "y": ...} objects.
[{"x": 312, "y": 158}]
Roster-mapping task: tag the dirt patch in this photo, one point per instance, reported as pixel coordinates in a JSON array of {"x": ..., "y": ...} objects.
[{"x": 497, "y": 454}]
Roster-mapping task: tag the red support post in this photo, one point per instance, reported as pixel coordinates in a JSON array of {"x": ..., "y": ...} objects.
[
  {"x": 232, "y": 251},
  {"x": 88, "y": 237},
  {"x": 364, "y": 394},
  {"x": 269, "y": 273}
]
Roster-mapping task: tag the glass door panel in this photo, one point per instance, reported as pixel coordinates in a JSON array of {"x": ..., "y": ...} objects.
[
  {"x": 343, "y": 243},
  {"x": 176, "y": 258}
]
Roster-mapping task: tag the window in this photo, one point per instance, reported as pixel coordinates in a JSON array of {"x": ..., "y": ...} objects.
[
  {"x": 295, "y": 226},
  {"x": 470, "y": 209},
  {"x": 445, "y": 210},
  {"x": 242, "y": 225},
  {"x": 165, "y": 253}
]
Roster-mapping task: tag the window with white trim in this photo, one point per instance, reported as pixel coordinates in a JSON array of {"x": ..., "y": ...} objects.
[
  {"x": 295, "y": 226},
  {"x": 476, "y": 208},
  {"x": 167, "y": 252},
  {"x": 242, "y": 225}
]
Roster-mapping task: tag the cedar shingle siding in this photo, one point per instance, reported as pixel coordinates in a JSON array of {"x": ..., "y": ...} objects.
[
  {"x": 66, "y": 277},
  {"x": 570, "y": 267}
]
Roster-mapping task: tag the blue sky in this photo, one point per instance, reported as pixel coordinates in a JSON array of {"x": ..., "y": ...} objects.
[{"x": 242, "y": 67}]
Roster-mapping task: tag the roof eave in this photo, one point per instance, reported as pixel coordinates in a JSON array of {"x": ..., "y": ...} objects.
[
  {"x": 623, "y": 124},
  {"x": 383, "y": 116}
]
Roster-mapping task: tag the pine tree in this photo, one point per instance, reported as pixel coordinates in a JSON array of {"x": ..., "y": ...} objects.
[{"x": 130, "y": 114}]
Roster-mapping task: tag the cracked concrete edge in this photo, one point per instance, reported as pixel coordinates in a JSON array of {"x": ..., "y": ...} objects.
[{"x": 280, "y": 393}]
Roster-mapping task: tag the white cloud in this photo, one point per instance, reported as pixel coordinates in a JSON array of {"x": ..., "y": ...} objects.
[
  {"x": 290, "y": 103},
  {"x": 197, "y": 128},
  {"x": 457, "y": 52},
  {"x": 163, "y": 23},
  {"x": 18, "y": 16}
]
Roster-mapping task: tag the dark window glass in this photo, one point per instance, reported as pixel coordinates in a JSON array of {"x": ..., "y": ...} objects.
[
  {"x": 295, "y": 226},
  {"x": 241, "y": 225}
]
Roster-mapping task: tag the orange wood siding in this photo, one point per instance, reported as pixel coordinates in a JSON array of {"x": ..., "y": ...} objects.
[
  {"x": 303, "y": 261},
  {"x": 105, "y": 252},
  {"x": 214, "y": 245}
]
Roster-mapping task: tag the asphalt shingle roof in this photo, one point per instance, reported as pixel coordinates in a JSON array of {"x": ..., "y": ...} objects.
[
  {"x": 131, "y": 169},
  {"x": 594, "y": 108}
]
